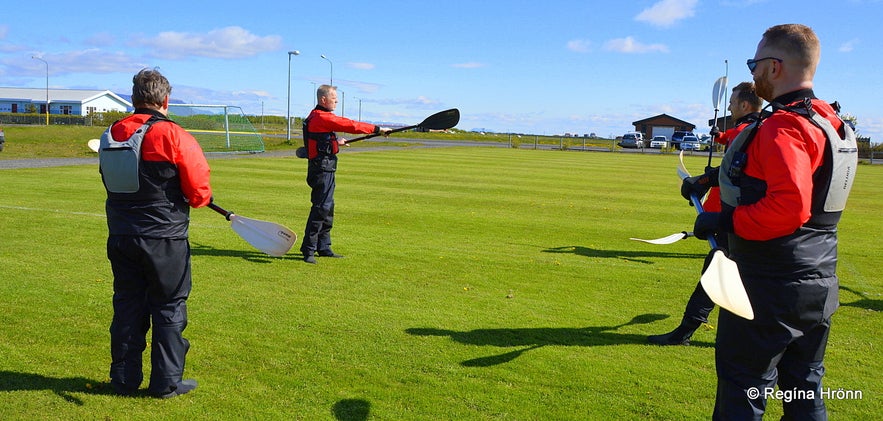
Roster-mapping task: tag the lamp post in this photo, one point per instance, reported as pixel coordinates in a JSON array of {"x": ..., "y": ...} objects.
[
  {"x": 343, "y": 104},
  {"x": 47, "y": 86},
  {"x": 288, "y": 112},
  {"x": 314, "y": 93},
  {"x": 360, "y": 108},
  {"x": 331, "y": 78}
]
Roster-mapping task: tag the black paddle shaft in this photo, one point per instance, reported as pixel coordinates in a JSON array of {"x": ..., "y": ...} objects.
[
  {"x": 220, "y": 210},
  {"x": 439, "y": 121}
]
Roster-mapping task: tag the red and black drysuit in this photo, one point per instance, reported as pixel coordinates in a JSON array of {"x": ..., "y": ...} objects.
[
  {"x": 149, "y": 252},
  {"x": 699, "y": 306},
  {"x": 785, "y": 246},
  {"x": 322, "y": 148}
]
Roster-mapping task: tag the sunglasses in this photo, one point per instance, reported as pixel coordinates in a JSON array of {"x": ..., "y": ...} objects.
[{"x": 752, "y": 64}]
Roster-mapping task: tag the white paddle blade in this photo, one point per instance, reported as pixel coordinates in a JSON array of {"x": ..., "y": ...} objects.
[
  {"x": 93, "y": 144},
  {"x": 270, "y": 238},
  {"x": 722, "y": 283},
  {"x": 720, "y": 86},
  {"x": 682, "y": 169},
  {"x": 665, "y": 240}
]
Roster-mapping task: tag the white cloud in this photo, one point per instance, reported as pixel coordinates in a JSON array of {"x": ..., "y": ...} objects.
[
  {"x": 361, "y": 66},
  {"x": 469, "y": 65},
  {"x": 230, "y": 42},
  {"x": 579, "y": 45},
  {"x": 848, "y": 46},
  {"x": 630, "y": 45},
  {"x": 101, "y": 39},
  {"x": 666, "y": 13},
  {"x": 92, "y": 60}
]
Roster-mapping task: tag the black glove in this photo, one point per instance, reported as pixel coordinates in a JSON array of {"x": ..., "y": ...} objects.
[
  {"x": 707, "y": 224},
  {"x": 699, "y": 184},
  {"x": 715, "y": 132}
]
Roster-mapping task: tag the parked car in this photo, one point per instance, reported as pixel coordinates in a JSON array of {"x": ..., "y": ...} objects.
[
  {"x": 659, "y": 142},
  {"x": 690, "y": 143},
  {"x": 677, "y": 137},
  {"x": 632, "y": 140}
]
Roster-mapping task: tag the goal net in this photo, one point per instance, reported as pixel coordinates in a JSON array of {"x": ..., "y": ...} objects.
[{"x": 218, "y": 128}]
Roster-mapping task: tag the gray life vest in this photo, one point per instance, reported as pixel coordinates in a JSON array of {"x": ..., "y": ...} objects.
[
  {"x": 119, "y": 162},
  {"x": 842, "y": 151}
]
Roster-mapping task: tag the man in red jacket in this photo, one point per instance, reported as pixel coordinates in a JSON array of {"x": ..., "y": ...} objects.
[
  {"x": 151, "y": 185},
  {"x": 784, "y": 184},
  {"x": 745, "y": 108},
  {"x": 322, "y": 146}
]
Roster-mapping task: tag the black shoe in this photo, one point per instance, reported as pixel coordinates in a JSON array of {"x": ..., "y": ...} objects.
[
  {"x": 184, "y": 386},
  {"x": 329, "y": 253},
  {"x": 309, "y": 258},
  {"x": 123, "y": 390},
  {"x": 680, "y": 336}
]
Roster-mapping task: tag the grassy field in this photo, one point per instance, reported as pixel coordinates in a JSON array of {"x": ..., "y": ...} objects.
[
  {"x": 57, "y": 141},
  {"x": 479, "y": 283}
]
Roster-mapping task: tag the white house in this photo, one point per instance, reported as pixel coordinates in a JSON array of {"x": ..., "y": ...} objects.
[{"x": 61, "y": 101}]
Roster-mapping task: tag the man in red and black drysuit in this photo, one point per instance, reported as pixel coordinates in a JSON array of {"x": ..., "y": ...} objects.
[
  {"x": 148, "y": 215},
  {"x": 784, "y": 183},
  {"x": 745, "y": 108},
  {"x": 322, "y": 146}
]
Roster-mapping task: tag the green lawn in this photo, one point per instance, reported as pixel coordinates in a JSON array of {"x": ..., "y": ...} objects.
[{"x": 479, "y": 283}]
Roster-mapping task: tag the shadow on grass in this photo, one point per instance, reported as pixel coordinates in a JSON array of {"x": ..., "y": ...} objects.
[
  {"x": 533, "y": 338},
  {"x": 246, "y": 254},
  {"x": 630, "y": 255},
  {"x": 865, "y": 302},
  {"x": 351, "y": 410},
  {"x": 11, "y": 381}
]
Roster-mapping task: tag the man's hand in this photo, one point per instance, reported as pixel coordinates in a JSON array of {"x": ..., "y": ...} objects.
[
  {"x": 715, "y": 132},
  {"x": 706, "y": 225},
  {"x": 341, "y": 141},
  {"x": 385, "y": 131},
  {"x": 699, "y": 184}
]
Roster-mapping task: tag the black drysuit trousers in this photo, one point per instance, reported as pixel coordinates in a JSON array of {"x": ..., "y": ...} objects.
[
  {"x": 317, "y": 234},
  {"x": 151, "y": 283}
]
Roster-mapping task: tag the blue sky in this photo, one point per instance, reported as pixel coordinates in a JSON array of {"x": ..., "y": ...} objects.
[{"x": 521, "y": 66}]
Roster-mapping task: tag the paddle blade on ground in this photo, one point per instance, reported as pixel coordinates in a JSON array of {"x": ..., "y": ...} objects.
[
  {"x": 273, "y": 239},
  {"x": 268, "y": 237}
]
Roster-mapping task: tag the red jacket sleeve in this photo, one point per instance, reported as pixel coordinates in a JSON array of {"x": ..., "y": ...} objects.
[
  {"x": 194, "y": 169},
  {"x": 181, "y": 149},
  {"x": 329, "y": 122},
  {"x": 785, "y": 154}
]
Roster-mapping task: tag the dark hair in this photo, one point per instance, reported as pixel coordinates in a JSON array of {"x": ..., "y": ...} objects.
[
  {"x": 746, "y": 92},
  {"x": 150, "y": 87}
]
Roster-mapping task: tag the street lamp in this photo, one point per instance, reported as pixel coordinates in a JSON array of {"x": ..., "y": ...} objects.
[
  {"x": 331, "y": 79},
  {"x": 343, "y": 104},
  {"x": 360, "y": 108},
  {"x": 47, "y": 86},
  {"x": 288, "y": 112},
  {"x": 314, "y": 93}
]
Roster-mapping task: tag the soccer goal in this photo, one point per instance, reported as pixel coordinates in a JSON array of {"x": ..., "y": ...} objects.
[{"x": 218, "y": 128}]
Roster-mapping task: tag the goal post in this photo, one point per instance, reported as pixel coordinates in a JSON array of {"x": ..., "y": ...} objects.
[{"x": 218, "y": 128}]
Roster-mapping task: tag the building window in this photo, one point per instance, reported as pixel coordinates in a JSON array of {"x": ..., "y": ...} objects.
[{"x": 66, "y": 109}]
